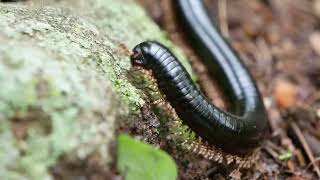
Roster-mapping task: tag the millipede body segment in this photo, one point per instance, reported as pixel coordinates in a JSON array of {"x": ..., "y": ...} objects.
[
  {"x": 240, "y": 131},
  {"x": 233, "y": 133}
]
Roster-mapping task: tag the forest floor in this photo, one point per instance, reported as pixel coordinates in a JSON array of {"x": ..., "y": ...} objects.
[{"x": 279, "y": 41}]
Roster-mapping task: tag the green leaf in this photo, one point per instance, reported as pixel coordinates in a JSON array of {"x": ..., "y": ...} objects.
[
  {"x": 285, "y": 156},
  {"x": 137, "y": 160}
]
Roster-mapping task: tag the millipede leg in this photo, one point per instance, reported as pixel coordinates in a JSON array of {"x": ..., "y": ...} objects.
[{"x": 159, "y": 102}]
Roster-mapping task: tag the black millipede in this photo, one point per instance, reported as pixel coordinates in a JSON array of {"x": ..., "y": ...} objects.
[{"x": 239, "y": 131}]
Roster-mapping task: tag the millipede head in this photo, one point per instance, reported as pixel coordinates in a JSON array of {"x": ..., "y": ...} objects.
[
  {"x": 136, "y": 57},
  {"x": 139, "y": 53}
]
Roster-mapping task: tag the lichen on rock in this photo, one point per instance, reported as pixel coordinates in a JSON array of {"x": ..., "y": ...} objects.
[
  {"x": 63, "y": 80},
  {"x": 49, "y": 107}
]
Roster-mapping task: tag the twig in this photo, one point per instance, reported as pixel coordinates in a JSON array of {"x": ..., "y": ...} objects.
[
  {"x": 272, "y": 152},
  {"x": 316, "y": 160},
  {"x": 305, "y": 146},
  {"x": 301, "y": 160},
  {"x": 274, "y": 146},
  {"x": 222, "y": 8}
]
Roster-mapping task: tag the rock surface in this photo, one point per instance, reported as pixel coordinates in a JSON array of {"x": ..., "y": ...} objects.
[{"x": 63, "y": 80}]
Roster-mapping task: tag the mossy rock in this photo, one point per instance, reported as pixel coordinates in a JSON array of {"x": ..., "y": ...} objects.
[{"x": 63, "y": 69}]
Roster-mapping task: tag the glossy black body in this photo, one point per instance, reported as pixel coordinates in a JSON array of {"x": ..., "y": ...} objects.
[{"x": 238, "y": 132}]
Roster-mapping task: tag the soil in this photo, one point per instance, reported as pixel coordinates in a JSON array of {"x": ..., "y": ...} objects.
[{"x": 279, "y": 41}]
